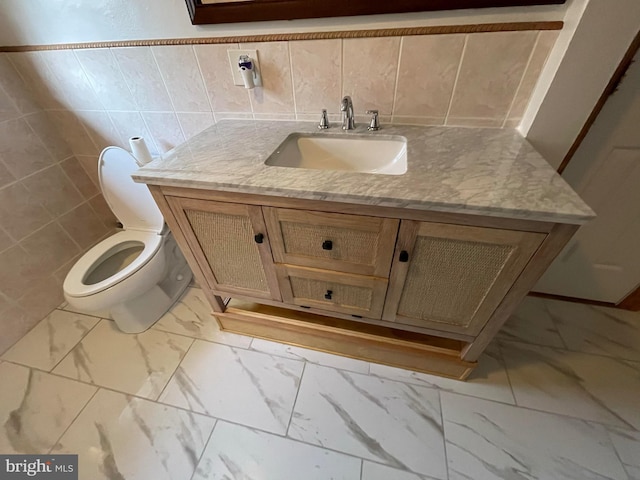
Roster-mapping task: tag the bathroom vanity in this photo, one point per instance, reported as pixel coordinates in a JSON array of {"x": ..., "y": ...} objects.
[{"x": 417, "y": 270}]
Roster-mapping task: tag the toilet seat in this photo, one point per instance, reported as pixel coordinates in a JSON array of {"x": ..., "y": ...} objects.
[{"x": 74, "y": 282}]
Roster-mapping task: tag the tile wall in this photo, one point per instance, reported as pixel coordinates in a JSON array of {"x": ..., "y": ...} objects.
[
  {"x": 50, "y": 209},
  {"x": 59, "y": 108}
]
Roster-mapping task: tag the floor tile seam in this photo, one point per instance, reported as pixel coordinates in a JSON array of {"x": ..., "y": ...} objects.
[
  {"x": 74, "y": 420},
  {"x": 157, "y": 397},
  {"x": 204, "y": 449},
  {"x": 444, "y": 440},
  {"x": 295, "y": 400},
  {"x": 556, "y": 414},
  {"x": 76, "y": 344},
  {"x": 506, "y": 371},
  {"x": 250, "y": 349},
  {"x": 567, "y": 350}
]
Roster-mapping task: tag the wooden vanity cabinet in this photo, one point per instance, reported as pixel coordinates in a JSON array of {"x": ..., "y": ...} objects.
[
  {"x": 415, "y": 289},
  {"x": 452, "y": 277}
]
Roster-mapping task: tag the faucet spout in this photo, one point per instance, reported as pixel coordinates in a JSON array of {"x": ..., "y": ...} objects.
[{"x": 346, "y": 107}]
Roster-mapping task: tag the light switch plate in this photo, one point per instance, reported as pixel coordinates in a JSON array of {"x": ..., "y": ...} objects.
[{"x": 234, "y": 55}]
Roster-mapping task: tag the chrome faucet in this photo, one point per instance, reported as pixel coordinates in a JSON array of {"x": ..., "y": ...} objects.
[{"x": 346, "y": 107}]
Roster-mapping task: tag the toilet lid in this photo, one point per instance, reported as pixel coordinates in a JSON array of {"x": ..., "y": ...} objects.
[{"x": 131, "y": 202}]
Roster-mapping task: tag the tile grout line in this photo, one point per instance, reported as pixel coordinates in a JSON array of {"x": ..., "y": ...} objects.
[
  {"x": 295, "y": 400},
  {"x": 455, "y": 81},
  {"x": 524, "y": 74},
  {"x": 193, "y": 341},
  {"x": 206, "y": 92},
  {"x": 74, "y": 419},
  {"x": 506, "y": 371},
  {"x": 293, "y": 85},
  {"x": 361, "y": 467},
  {"x": 444, "y": 436},
  {"x": 204, "y": 448},
  {"x": 78, "y": 342},
  {"x": 397, "y": 80},
  {"x": 615, "y": 450}
]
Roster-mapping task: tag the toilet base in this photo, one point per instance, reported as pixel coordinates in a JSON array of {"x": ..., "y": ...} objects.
[{"x": 140, "y": 313}]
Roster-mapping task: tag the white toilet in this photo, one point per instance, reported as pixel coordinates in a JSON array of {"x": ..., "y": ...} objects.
[{"x": 137, "y": 274}]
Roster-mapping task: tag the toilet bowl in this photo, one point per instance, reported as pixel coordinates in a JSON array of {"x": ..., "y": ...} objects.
[{"x": 134, "y": 275}]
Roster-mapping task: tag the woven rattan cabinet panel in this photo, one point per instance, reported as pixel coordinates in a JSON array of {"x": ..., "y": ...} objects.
[
  {"x": 452, "y": 277},
  {"x": 332, "y": 291},
  {"x": 230, "y": 244},
  {"x": 332, "y": 241}
]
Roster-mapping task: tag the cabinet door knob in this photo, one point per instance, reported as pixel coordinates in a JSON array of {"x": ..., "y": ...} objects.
[
  {"x": 404, "y": 256},
  {"x": 259, "y": 238},
  {"x": 328, "y": 294},
  {"x": 327, "y": 245}
]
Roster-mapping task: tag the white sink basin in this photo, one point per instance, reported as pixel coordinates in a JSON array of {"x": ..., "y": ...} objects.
[{"x": 375, "y": 153}]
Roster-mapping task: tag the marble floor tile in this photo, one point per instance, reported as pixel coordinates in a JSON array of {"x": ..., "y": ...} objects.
[
  {"x": 627, "y": 444},
  {"x": 375, "y": 471},
  {"x": 376, "y": 419},
  {"x": 139, "y": 364},
  {"x": 489, "y": 379},
  {"x": 311, "y": 356},
  {"x": 591, "y": 387},
  {"x": 191, "y": 316},
  {"x": 533, "y": 323},
  {"x": 241, "y": 386},
  {"x": 242, "y": 453},
  {"x": 599, "y": 330},
  {"x": 36, "y": 408},
  {"x": 487, "y": 441},
  {"x": 119, "y": 437},
  {"x": 49, "y": 341}
]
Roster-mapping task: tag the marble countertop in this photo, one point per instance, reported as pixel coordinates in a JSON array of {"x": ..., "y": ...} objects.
[{"x": 479, "y": 171}]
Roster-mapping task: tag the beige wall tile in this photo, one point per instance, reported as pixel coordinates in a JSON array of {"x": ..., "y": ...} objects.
[
  {"x": 73, "y": 132},
  {"x": 101, "y": 129},
  {"x": 89, "y": 164},
  {"x": 43, "y": 125},
  {"x": 41, "y": 297},
  {"x": 193, "y": 123},
  {"x": 427, "y": 72},
  {"x": 51, "y": 246},
  {"x": 39, "y": 79},
  {"x": 131, "y": 124},
  {"x": 103, "y": 211},
  {"x": 79, "y": 177},
  {"x": 21, "y": 150},
  {"x": 21, "y": 94},
  {"x": 143, "y": 78},
  {"x": 17, "y": 270},
  {"x": 409, "y": 120},
  {"x": 5, "y": 242},
  {"x": 317, "y": 74},
  {"x": 491, "y": 70},
  {"x": 21, "y": 212},
  {"x": 546, "y": 41},
  {"x": 276, "y": 93},
  {"x": 165, "y": 129},
  {"x": 54, "y": 190},
  {"x": 369, "y": 67},
  {"x": 8, "y": 110},
  {"x": 106, "y": 78},
  {"x": 218, "y": 80},
  {"x": 181, "y": 75},
  {"x": 83, "y": 225},
  {"x": 70, "y": 77},
  {"x": 5, "y": 175}
]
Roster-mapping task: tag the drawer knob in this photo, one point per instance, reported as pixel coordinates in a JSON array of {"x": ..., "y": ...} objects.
[
  {"x": 259, "y": 238},
  {"x": 404, "y": 256},
  {"x": 328, "y": 294},
  {"x": 327, "y": 245}
]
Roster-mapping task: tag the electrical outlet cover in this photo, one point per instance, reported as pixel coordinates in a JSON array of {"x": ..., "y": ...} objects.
[{"x": 234, "y": 55}]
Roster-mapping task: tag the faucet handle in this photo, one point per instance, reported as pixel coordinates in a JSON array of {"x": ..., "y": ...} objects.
[
  {"x": 324, "y": 120},
  {"x": 375, "y": 122}
]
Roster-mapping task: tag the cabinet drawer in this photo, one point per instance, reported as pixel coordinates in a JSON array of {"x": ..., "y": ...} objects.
[
  {"x": 332, "y": 241},
  {"x": 333, "y": 291}
]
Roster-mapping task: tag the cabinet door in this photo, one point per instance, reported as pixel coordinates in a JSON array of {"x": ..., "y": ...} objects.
[
  {"x": 230, "y": 243},
  {"x": 332, "y": 241},
  {"x": 452, "y": 277}
]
